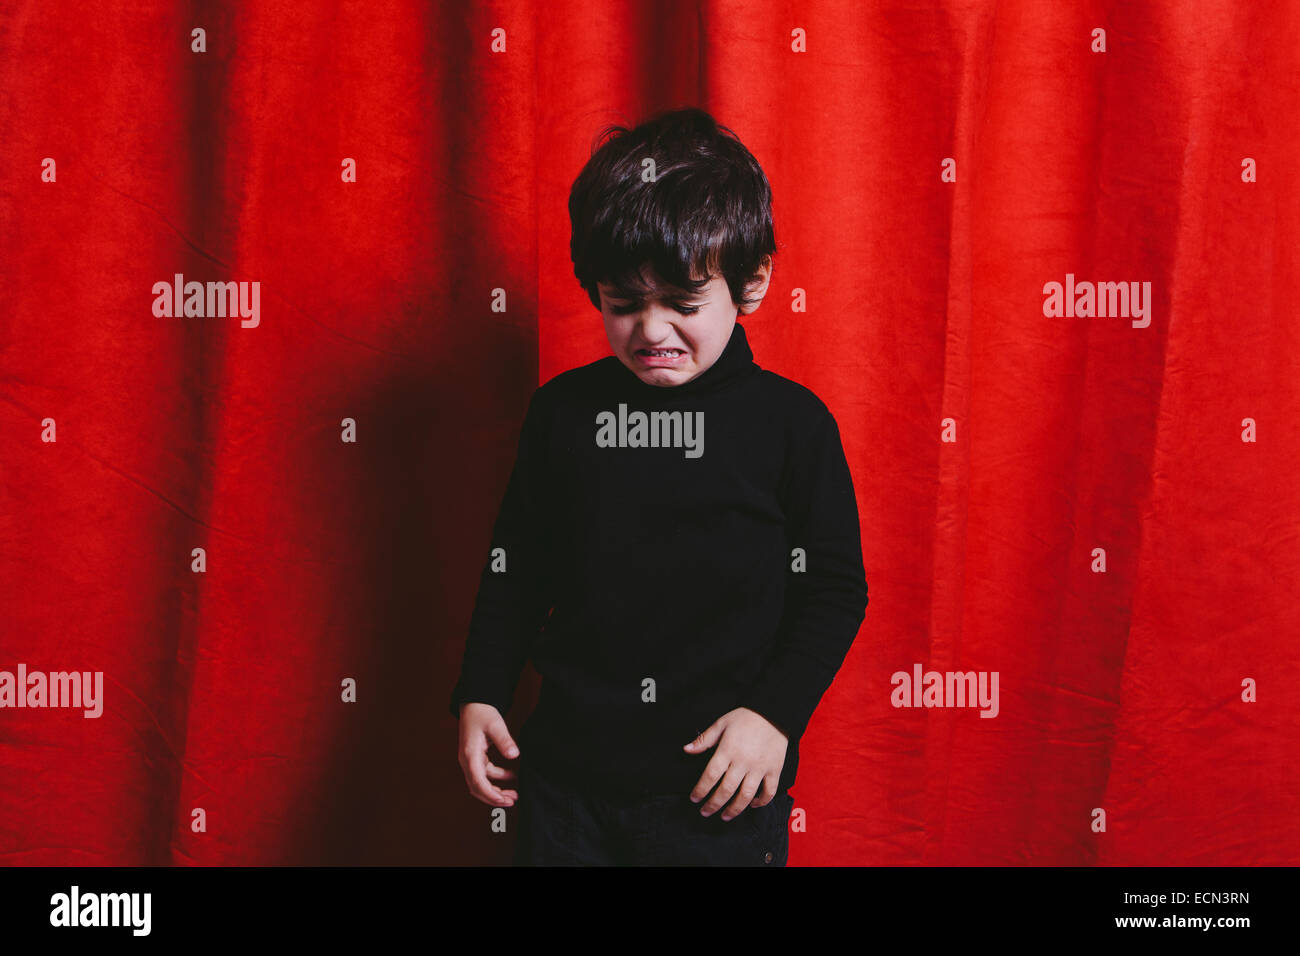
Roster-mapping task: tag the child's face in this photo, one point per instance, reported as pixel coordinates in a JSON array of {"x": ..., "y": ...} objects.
[{"x": 640, "y": 322}]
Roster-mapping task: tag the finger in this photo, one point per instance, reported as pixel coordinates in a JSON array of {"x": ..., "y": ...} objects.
[
  {"x": 499, "y": 734},
  {"x": 743, "y": 796},
  {"x": 713, "y": 772},
  {"x": 485, "y": 791},
  {"x": 725, "y": 789},
  {"x": 499, "y": 773},
  {"x": 475, "y": 763},
  {"x": 766, "y": 793},
  {"x": 705, "y": 739}
]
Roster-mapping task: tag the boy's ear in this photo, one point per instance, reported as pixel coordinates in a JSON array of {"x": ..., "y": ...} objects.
[{"x": 756, "y": 288}]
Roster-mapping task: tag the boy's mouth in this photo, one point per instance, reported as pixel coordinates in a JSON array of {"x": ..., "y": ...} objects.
[{"x": 660, "y": 356}]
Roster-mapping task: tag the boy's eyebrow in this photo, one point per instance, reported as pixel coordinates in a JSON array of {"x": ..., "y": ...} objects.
[{"x": 671, "y": 294}]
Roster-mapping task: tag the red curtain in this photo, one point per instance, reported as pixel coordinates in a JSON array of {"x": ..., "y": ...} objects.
[{"x": 934, "y": 166}]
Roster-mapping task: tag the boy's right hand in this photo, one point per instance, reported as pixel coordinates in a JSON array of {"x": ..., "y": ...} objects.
[{"x": 481, "y": 724}]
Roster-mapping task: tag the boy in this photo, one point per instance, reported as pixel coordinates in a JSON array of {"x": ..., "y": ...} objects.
[{"x": 679, "y": 548}]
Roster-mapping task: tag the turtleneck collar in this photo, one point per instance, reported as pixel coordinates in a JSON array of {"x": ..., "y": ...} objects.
[{"x": 735, "y": 362}]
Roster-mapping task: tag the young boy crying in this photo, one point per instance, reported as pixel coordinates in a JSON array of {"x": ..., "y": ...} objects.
[{"x": 687, "y": 603}]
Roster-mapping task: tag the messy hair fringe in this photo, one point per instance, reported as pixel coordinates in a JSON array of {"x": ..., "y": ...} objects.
[{"x": 707, "y": 211}]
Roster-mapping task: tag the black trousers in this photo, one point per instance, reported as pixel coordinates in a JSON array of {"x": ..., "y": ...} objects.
[{"x": 562, "y": 826}]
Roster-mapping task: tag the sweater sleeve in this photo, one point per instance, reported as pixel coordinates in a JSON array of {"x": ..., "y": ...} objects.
[
  {"x": 513, "y": 595},
  {"x": 826, "y": 603}
]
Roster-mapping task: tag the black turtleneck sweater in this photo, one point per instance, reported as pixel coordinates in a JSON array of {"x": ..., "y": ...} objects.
[{"x": 660, "y": 576}]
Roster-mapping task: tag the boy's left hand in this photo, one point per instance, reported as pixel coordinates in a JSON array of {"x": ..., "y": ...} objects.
[{"x": 749, "y": 758}]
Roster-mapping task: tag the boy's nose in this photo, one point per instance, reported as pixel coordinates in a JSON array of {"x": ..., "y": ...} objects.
[{"x": 654, "y": 327}]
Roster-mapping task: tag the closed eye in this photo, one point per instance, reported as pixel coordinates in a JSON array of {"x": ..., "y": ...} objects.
[{"x": 629, "y": 309}]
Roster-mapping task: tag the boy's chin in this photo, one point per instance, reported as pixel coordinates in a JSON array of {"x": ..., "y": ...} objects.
[{"x": 662, "y": 377}]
